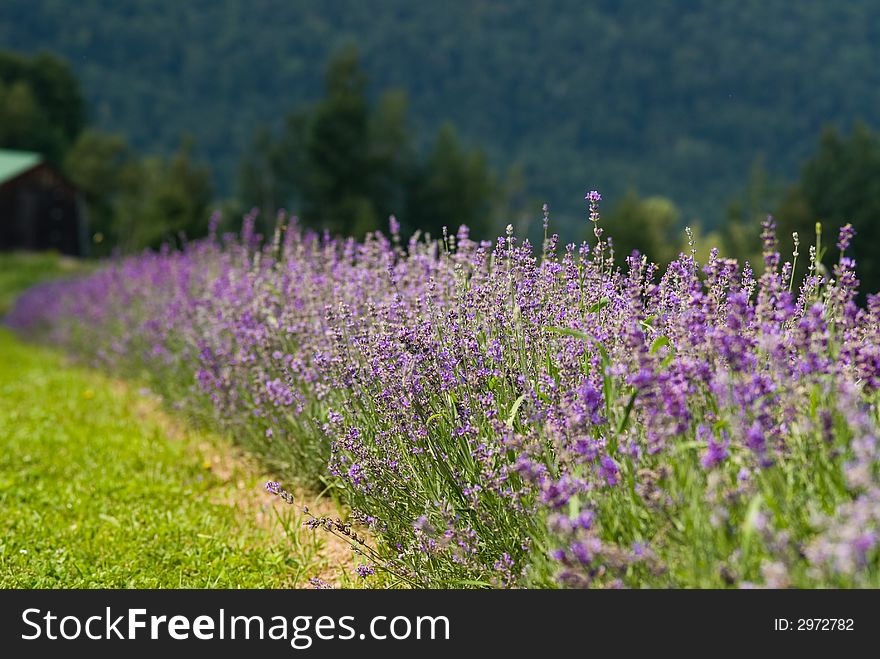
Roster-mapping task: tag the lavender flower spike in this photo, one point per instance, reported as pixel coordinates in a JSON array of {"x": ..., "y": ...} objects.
[{"x": 847, "y": 232}]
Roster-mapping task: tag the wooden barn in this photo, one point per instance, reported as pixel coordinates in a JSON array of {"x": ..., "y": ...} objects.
[{"x": 39, "y": 208}]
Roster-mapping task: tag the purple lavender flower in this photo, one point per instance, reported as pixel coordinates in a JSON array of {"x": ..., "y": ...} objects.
[
  {"x": 716, "y": 449},
  {"x": 393, "y": 225},
  {"x": 844, "y": 238},
  {"x": 594, "y": 198},
  {"x": 455, "y": 392},
  {"x": 609, "y": 470}
]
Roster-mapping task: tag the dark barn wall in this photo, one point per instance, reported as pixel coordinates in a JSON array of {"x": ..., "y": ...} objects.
[{"x": 39, "y": 210}]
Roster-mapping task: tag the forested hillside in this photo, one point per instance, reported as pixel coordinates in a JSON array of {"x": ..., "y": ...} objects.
[{"x": 606, "y": 95}]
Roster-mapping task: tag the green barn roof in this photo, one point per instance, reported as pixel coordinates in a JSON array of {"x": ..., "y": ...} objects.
[{"x": 13, "y": 163}]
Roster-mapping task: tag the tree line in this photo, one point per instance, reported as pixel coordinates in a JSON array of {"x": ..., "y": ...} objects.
[
  {"x": 345, "y": 164},
  {"x": 349, "y": 160},
  {"x": 132, "y": 200},
  {"x": 673, "y": 98}
]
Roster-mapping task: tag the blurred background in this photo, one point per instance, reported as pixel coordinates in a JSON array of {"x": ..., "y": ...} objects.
[{"x": 124, "y": 124}]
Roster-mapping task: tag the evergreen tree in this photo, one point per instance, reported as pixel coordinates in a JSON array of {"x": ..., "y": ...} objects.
[
  {"x": 41, "y": 105},
  {"x": 100, "y": 165},
  {"x": 650, "y": 225},
  {"x": 336, "y": 185},
  {"x": 454, "y": 186},
  {"x": 346, "y": 164},
  {"x": 840, "y": 184}
]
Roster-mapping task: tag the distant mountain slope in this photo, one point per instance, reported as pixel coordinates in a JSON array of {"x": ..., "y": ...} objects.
[{"x": 676, "y": 98}]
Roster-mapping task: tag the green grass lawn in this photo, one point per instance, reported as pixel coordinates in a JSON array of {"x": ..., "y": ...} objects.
[
  {"x": 100, "y": 489},
  {"x": 19, "y": 270}
]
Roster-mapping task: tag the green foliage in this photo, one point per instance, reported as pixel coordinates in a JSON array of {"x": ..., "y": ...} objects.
[
  {"x": 94, "y": 495},
  {"x": 41, "y": 106},
  {"x": 345, "y": 164},
  {"x": 671, "y": 98},
  {"x": 840, "y": 183},
  {"x": 133, "y": 202},
  {"x": 740, "y": 234},
  {"x": 336, "y": 186},
  {"x": 23, "y": 124},
  {"x": 101, "y": 166},
  {"x": 164, "y": 201},
  {"x": 453, "y": 187},
  {"x": 263, "y": 177},
  {"x": 651, "y": 225},
  {"x": 392, "y": 153}
]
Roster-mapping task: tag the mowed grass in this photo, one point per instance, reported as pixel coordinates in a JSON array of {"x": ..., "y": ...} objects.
[
  {"x": 99, "y": 489},
  {"x": 20, "y": 270}
]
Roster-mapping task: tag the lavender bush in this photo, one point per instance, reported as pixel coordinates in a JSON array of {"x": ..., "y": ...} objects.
[{"x": 497, "y": 415}]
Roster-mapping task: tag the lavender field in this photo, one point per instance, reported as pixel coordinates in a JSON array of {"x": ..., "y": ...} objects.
[{"x": 500, "y": 414}]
